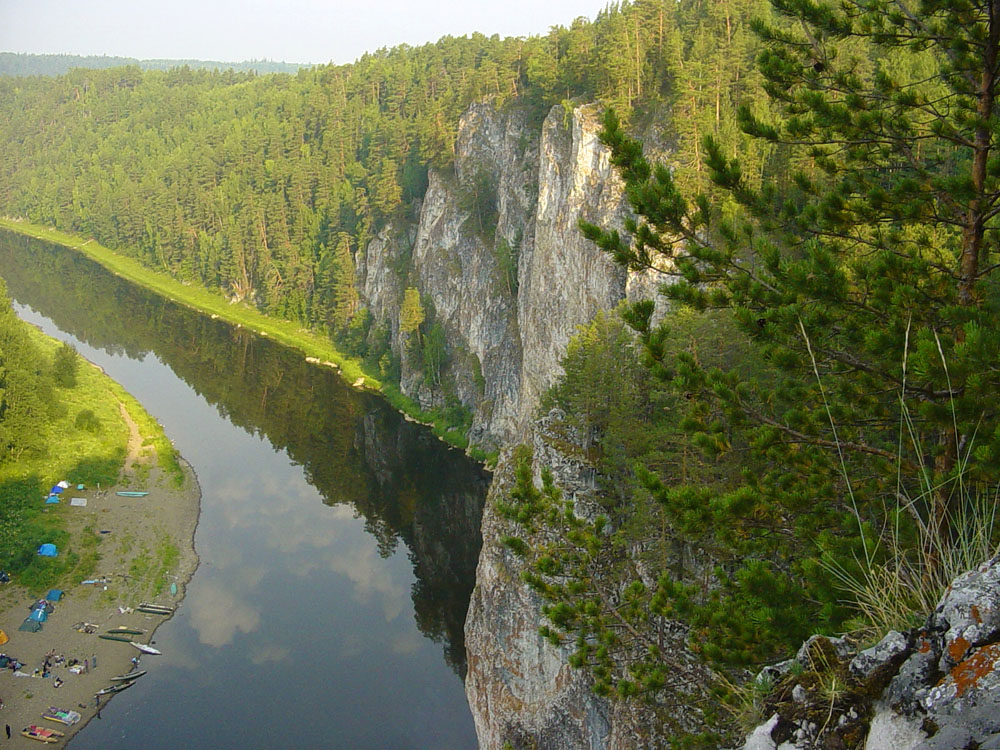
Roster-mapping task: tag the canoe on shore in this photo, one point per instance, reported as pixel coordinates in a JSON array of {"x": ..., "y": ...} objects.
[
  {"x": 131, "y": 493},
  {"x": 115, "y": 688},
  {"x": 129, "y": 677},
  {"x": 146, "y": 648},
  {"x": 121, "y": 629},
  {"x": 155, "y": 609},
  {"x": 124, "y": 637}
]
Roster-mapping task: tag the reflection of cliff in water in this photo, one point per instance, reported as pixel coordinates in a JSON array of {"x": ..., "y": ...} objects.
[{"x": 352, "y": 446}]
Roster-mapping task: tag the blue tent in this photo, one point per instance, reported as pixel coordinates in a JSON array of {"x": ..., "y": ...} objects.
[
  {"x": 56, "y": 490},
  {"x": 54, "y": 595},
  {"x": 39, "y": 615},
  {"x": 52, "y": 499},
  {"x": 48, "y": 550}
]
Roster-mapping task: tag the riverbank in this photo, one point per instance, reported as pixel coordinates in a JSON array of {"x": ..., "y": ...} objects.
[
  {"x": 317, "y": 349},
  {"x": 145, "y": 545}
]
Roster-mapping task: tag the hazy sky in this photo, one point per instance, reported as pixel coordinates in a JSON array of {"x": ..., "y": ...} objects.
[{"x": 308, "y": 31}]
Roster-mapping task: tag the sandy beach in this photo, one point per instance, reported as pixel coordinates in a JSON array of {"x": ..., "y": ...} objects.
[{"x": 132, "y": 531}]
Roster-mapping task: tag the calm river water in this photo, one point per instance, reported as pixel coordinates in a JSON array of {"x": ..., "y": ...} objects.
[{"x": 338, "y": 542}]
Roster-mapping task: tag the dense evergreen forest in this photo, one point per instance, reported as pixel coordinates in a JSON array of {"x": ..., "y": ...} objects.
[
  {"x": 267, "y": 187},
  {"x": 22, "y": 64}
]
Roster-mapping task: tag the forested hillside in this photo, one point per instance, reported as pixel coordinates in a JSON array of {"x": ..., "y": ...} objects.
[
  {"x": 806, "y": 440},
  {"x": 21, "y": 64},
  {"x": 268, "y": 187}
]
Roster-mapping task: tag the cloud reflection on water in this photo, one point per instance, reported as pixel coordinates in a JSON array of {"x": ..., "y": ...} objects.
[{"x": 217, "y": 613}]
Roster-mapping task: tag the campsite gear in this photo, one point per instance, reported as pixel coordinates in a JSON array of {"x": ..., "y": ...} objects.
[
  {"x": 42, "y": 734},
  {"x": 61, "y": 715},
  {"x": 54, "y": 595},
  {"x": 48, "y": 550}
]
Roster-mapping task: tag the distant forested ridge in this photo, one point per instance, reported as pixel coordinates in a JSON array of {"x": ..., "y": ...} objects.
[
  {"x": 24, "y": 64},
  {"x": 266, "y": 187}
]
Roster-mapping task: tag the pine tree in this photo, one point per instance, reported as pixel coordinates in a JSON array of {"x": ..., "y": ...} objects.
[{"x": 866, "y": 276}]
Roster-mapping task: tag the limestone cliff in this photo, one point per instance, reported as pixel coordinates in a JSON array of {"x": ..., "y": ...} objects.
[
  {"x": 522, "y": 691},
  {"x": 501, "y": 267},
  {"x": 497, "y": 257}
]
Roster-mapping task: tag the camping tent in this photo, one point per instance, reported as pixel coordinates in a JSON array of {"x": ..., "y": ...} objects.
[
  {"x": 38, "y": 615},
  {"x": 56, "y": 490},
  {"x": 3, "y": 637},
  {"x": 48, "y": 550},
  {"x": 30, "y": 626},
  {"x": 54, "y": 595}
]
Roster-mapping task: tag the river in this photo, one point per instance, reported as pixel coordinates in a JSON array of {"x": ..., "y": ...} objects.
[{"x": 338, "y": 542}]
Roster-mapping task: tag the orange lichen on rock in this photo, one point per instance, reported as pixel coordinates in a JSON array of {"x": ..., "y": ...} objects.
[
  {"x": 974, "y": 613},
  {"x": 924, "y": 646},
  {"x": 957, "y": 648},
  {"x": 983, "y": 662}
]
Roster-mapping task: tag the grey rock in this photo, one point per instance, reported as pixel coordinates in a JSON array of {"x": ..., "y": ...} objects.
[
  {"x": 760, "y": 738},
  {"x": 842, "y": 650},
  {"x": 912, "y": 682},
  {"x": 890, "y": 730},
  {"x": 969, "y": 613},
  {"x": 948, "y": 738},
  {"x": 882, "y": 655},
  {"x": 775, "y": 672}
]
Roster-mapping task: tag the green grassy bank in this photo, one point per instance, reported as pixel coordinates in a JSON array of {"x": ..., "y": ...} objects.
[
  {"x": 86, "y": 439},
  {"x": 311, "y": 344}
]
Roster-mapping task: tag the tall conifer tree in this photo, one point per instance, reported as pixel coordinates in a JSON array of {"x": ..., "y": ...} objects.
[{"x": 866, "y": 274}]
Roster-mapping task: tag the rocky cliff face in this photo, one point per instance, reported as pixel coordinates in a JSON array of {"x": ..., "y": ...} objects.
[
  {"x": 501, "y": 266},
  {"x": 498, "y": 256}
]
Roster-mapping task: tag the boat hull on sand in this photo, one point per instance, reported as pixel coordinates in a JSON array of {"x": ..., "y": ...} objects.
[
  {"x": 115, "y": 688},
  {"x": 115, "y": 637},
  {"x": 128, "y": 677}
]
